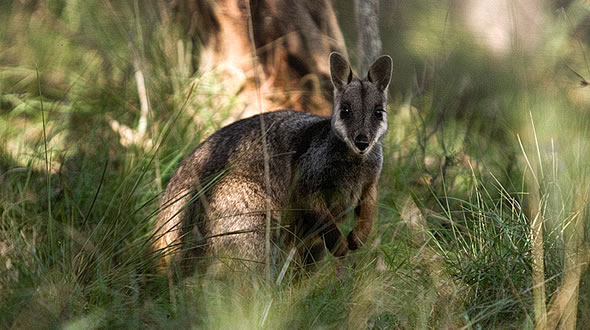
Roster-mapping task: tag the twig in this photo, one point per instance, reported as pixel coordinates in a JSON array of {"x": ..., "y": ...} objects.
[
  {"x": 264, "y": 147},
  {"x": 537, "y": 249},
  {"x": 143, "y": 98},
  {"x": 47, "y": 162},
  {"x": 564, "y": 304},
  {"x": 104, "y": 170},
  {"x": 538, "y": 264}
]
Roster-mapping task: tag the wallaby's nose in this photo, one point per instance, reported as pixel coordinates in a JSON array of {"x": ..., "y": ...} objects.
[{"x": 361, "y": 141}]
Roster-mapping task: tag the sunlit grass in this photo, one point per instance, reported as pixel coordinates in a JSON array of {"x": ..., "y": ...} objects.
[{"x": 478, "y": 148}]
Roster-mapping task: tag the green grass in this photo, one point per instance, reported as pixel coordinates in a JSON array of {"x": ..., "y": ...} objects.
[{"x": 477, "y": 145}]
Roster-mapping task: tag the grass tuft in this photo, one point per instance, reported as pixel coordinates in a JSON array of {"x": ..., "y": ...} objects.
[{"x": 482, "y": 220}]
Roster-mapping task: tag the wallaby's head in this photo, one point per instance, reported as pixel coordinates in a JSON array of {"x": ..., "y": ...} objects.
[{"x": 359, "y": 115}]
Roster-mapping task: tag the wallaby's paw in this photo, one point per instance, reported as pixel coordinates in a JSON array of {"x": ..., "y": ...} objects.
[
  {"x": 341, "y": 248},
  {"x": 353, "y": 241},
  {"x": 341, "y": 269}
]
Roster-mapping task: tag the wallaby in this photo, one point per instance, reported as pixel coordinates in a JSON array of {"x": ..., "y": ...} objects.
[{"x": 320, "y": 170}]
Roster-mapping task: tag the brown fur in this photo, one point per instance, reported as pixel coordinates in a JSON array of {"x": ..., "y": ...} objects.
[{"x": 293, "y": 39}]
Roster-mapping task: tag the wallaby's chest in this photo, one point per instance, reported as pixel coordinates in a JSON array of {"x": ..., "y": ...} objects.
[
  {"x": 337, "y": 181},
  {"x": 343, "y": 186}
]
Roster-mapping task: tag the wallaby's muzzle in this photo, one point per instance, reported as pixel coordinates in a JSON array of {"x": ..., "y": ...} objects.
[{"x": 361, "y": 142}]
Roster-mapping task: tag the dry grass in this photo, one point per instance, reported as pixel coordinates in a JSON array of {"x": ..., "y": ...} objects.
[{"x": 494, "y": 234}]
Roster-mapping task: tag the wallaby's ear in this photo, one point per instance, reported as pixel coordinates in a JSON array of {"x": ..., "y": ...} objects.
[
  {"x": 340, "y": 70},
  {"x": 380, "y": 72}
]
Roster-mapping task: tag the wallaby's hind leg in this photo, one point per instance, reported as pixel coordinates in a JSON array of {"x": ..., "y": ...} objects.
[
  {"x": 236, "y": 226},
  {"x": 240, "y": 249}
]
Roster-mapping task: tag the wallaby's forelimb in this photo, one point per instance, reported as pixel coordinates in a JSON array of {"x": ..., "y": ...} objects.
[
  {"x": 325, "y": 225},
  {"x": 364, "y": 215}
]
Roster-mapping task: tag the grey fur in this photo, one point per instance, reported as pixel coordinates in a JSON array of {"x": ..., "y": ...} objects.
[{"x": 215, "y": 204}]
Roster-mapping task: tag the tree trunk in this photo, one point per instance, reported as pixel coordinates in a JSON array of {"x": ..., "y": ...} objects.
[{"x": 292, "y": 38}]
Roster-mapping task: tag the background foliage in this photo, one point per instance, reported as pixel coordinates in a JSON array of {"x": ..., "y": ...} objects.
[{"x": 487, "y": 144}]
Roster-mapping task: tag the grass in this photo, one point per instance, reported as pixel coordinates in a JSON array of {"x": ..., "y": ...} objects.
[{"x": 482, "y": 152}]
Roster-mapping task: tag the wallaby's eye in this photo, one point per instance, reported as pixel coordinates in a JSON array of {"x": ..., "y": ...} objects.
[
  {"x": 379, "y": 111},
  {"x": 344, "y": 111}
]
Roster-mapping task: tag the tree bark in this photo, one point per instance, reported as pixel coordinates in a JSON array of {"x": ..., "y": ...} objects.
[{"x": 293, "y": 40}]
